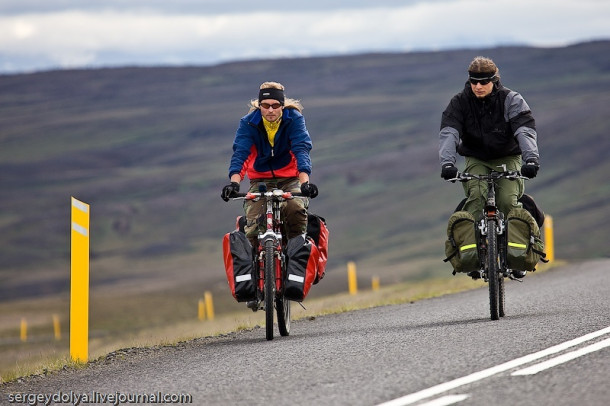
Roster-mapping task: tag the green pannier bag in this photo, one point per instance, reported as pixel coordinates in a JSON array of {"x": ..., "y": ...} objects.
[
  {"x": 524, "y": 247},
  {"x": 461, "y": 245}
]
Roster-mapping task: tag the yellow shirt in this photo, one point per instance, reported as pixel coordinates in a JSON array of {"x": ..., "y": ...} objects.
[{"x": 271, "y": 128}]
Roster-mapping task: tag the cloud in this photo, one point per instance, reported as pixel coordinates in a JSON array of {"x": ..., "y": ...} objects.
[
  {"x": 113, "y": 36},
  {"x": 208, "y": 7}
]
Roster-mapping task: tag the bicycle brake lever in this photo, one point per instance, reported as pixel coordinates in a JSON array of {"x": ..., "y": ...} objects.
[
  {"x": 457, "y": 177},
  {"x": 461, "y": 177}
]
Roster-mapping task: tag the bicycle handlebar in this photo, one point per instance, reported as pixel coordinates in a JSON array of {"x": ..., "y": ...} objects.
[
  {"x": 274, "y": 193},
  {"x": 465, "y": 176}
]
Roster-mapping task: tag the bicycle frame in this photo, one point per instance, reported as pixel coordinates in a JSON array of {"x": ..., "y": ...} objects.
[{"x": 273, "y": 233}]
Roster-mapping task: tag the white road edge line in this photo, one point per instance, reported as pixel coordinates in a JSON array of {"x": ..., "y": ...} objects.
[
  {"x": 486, "y": 373},
  {"x": 563, "y": 358},
  {"x": 446, "y": 400}
]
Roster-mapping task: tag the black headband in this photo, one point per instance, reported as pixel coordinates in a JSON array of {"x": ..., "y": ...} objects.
[
  {"x": 271, "y": 93},
  {"x": 482, "y": 75}
]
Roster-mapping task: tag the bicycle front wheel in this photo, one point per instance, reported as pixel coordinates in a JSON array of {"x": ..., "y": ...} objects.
[
  {"x": 269, "y": 287},
  {"x": 493, "y": 276}
]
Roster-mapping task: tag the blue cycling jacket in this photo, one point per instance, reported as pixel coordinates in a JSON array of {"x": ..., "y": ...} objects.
[{"x": 254, "y": 156}]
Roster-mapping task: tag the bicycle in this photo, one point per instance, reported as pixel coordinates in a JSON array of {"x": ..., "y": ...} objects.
[
  {"x": 271, "y": 260},
  {"x": 491, "y": 241}
]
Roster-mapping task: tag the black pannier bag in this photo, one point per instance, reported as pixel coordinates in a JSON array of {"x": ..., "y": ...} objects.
[
  {"x": 524, "y": 247},
  {"x": 530, "y": 205},
  {"x": 239, "y": 265},
  {"x": 318, "y": 232},
  {"x": 302, "y": 258},
  {"x": 461, "y": 244}
]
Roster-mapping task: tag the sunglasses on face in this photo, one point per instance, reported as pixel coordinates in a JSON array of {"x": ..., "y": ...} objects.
[
  {"x": 271, "y": 106},
  {"x": 483, "y": 81}
]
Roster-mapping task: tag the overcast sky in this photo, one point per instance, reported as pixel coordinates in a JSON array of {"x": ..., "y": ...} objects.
[{"x": 52, "y": 34}]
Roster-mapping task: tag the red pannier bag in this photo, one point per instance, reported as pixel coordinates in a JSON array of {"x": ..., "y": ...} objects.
[
  {"x": 302, "y": 260},
  {"x": 239, "y": 265},
  {"x": 317, "y": 230}
]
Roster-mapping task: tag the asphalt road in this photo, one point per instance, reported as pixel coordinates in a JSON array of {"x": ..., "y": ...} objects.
[{"x": 438, "y": 351}]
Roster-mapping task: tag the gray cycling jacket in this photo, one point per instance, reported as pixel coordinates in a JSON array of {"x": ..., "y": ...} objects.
[{"x": 499, "y": 125}]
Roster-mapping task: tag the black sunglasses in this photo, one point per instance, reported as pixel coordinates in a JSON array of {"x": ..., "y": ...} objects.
[
  {"x": 483, "y": 81},
  {"x": 272, "y": 106}
]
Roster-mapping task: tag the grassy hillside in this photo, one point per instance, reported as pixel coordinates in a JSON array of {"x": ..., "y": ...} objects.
[{"x": 148, "y": 149}]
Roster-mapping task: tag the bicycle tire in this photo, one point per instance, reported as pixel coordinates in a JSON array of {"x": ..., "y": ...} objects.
[
  {"x": 269, "y": 287},
  {"x": 502, "y": 272},
  {"x": 283, "y": 315},
  {"x": 493, "y": 276},
  {"x": 501, "y": 296},
  {"x": 282, "y": 305}
]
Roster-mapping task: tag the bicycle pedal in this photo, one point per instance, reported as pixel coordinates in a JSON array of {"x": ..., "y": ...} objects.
[
  {"x": 511, "y": 277},
  {"x": 253, "y": 304}
]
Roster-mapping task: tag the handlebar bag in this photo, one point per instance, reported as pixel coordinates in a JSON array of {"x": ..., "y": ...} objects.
[
  {"x": 318, "y": 232},
  {"x": 461, "y": 245},
  {"x": 239, "y": 265},
  {"x": 524, "y": 246},
  {"x": 302, "y": 259}
]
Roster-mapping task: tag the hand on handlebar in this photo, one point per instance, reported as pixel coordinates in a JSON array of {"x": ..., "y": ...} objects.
[
  {"x": 309, "y": 190},
  {"x": 449, "y": 172},
  {"x": 229, "y": 191},
  {"x": 530, "y": 168}
]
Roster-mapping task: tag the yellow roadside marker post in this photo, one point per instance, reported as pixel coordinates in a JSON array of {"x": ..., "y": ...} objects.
[
  {"x": 24, "y": 330},
  {"x": 201, "y": 310},
  {"x": 549, "y": 242},
  {"x": 79, "y": 282},
  {"x": 352, "y": 280},
  {"x": 56, "y": 327},
  {"x": 209, "y": 305},
  {"x": 375, "y": 283}
]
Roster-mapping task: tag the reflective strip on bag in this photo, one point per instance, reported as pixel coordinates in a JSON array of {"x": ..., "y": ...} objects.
[
  {"x": 243, "y": 278},
  {"x": 468, "y": 247},
  {"x": 517, "y": 245},
  {"x": 296, "y": 278}
]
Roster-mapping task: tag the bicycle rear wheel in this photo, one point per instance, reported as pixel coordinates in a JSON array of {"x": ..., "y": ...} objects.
[
  {"x": 501, "y": 297},
  {"x": 269, "y": 287},
  {"x": 282, "y": 305},
  {"x": 502, "y": 274},
  {"x": 283, "y": 315},
  {"x": 493, "y": 276}
]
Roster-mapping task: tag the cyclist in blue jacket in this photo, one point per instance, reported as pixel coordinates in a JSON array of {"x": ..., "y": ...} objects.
[{"x": 272, "y": 145}]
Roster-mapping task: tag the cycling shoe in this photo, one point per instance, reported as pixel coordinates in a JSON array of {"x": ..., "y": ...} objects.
[
  {"x": 519, "y": 274},
  {"x": 252, "y": 304}
]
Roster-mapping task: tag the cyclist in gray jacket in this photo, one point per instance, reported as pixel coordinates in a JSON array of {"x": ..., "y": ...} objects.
[{"x": 493, "y": 128}]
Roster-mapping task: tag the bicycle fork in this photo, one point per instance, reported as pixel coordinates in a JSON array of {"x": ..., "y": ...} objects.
[{"x": 271, "y": 224}]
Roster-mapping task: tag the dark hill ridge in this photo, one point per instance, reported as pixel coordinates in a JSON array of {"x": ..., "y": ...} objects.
[{"x": 148, "y": 149}]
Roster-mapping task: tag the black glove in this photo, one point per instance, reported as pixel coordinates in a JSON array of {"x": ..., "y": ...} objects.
[
  {"x": 530, "y": 168},
  {"x": 229, "y": 191},
  {"x": 449, "y": 171},
  {"x": 309, "y": 190}
]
